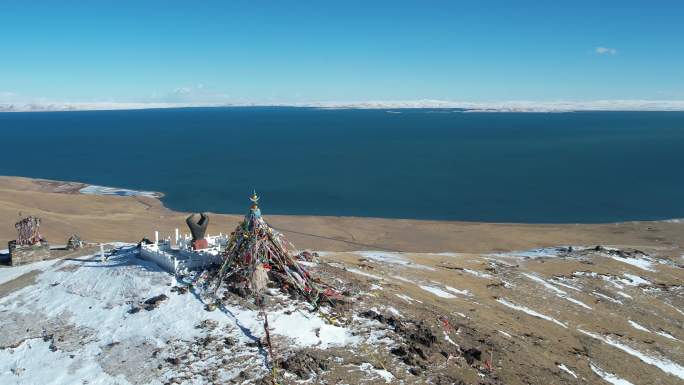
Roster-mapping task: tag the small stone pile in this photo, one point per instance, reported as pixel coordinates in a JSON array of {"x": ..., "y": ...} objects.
[{"x": 74, "y": 242}]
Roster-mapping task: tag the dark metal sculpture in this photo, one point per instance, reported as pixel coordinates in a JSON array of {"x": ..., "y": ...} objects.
[{"x": 198, "y": 229}]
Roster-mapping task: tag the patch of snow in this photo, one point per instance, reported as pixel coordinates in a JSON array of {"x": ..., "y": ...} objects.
[
  {"x": 359, "y": 272},
  {"x": 421, "y": 267},
  {"x": 663, "y": 364},
  {"x": 394, "y": 311},
  {"x": 641, "y": 263},
  {"x": 609, "y": 377},
  {"x": 385, "y": 257},
  {"x": 565, "y": 369},
  {"x": 448, "y": 254},
  {"x": 402, "y": 279},
  {"x": 613, "y": 300},
  {"x": 102, "y": 190},
  {"x": 666, "y": 335},
  {"x": 391, "y": 258},
  {"x": 303, "y": 329},
  {"x": 375, "y": 287},
  {"x": 624, "y": 295},
  {"x": 578, "y": 302},
  {"x": 560, "y": 293},
  {"x": 634, "y": 280},
  {"x": 384, "y": 374},
  {"x": 478, "y": 274},
  {"x": 9, "y": 273},
  {"x": 544, "y": 252},
  {"x": 375, "y": 335},
  {"x": 675, "y": 307},
  {"x": 544, "y": 283},
  {"x": 638, "y": 327},
  {"x": 33, "y": 362},
  {"x": 505, "y": 334},
  {"x": 457, "y": 291},
  {"x": 126, "y": 246},
  {"x": 652, "y": 290},
  {"x": 437, "y": 291},
  {"x": 559, "y": 282},
  {"x": 618, "y": 282},
  {"x": 585, "y": 274},
  {"x": 407, "y": 298},
  {"x": 530, "y": 312},
  {"x": 448, "y": 339}
]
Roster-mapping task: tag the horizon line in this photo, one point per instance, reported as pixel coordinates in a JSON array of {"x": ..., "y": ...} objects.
[{"x": 492, "y": 106}]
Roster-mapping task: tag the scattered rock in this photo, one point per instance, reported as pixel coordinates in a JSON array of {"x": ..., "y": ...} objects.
[
  {"x": 74, "y": 242},
  {"x": 154, "y": 302},
  {"x": 144, "y": 241},
  {"x": 471, "y": 355},
  {"x": 387, "y": 320},
  {"x": 308, "y": 256},
  {"x": 179, "y": 289},
  {"x": 208, "y": 324},
  {"x": 18, "y": 371},
  {"x": 305, "y": 363},
  {"x": 399, "y": 351}
]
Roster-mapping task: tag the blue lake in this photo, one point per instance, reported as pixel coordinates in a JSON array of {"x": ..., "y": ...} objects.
[{"x": 426, "y": 164}]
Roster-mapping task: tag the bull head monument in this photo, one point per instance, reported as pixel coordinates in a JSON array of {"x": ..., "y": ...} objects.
[{"x": 198, "y": 229}]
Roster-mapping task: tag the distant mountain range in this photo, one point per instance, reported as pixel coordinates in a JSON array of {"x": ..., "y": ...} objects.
[{"x": 505, "y": 106}]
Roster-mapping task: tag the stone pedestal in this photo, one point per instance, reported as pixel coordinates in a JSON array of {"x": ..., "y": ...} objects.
[{"x": 21, "y": 255}]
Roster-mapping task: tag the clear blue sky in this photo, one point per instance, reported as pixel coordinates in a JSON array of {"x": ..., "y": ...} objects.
[{"x": 298, "y": 51}]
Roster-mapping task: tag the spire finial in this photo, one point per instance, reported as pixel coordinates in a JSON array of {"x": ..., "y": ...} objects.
[{"x": 254, "y": 198}]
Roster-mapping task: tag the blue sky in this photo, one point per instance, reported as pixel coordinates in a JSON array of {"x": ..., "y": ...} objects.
[{"x": 303, "y": 51}]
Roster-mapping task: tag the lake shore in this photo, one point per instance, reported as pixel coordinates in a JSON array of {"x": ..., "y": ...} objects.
[{"x": 102, "y": 218}]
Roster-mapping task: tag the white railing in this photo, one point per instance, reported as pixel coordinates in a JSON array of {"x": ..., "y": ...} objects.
[{"x": 183, "y": 257}]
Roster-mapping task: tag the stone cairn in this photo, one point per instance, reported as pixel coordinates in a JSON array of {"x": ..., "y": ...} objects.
[
  {"x": 74, "y": 242},
  {"x": 258, "y": 257}
]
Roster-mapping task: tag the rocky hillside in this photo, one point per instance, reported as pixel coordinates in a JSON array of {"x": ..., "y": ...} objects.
[{"x": 565, "y": 315}]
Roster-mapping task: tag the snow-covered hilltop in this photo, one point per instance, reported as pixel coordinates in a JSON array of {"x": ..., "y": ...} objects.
[{"x": 123, "y": 321}]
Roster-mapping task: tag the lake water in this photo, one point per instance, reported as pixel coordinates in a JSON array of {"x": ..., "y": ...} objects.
[{"x": 428, "y": 164}]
